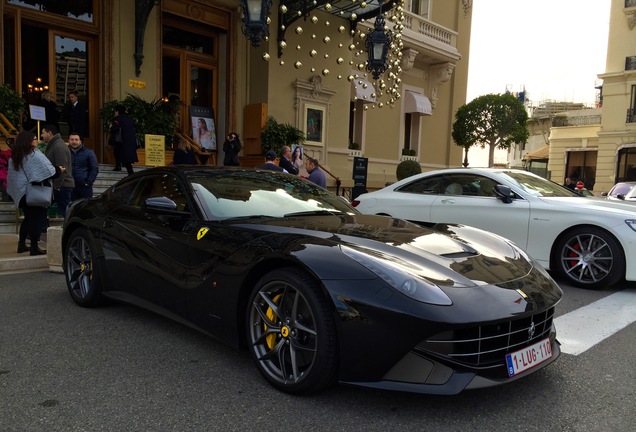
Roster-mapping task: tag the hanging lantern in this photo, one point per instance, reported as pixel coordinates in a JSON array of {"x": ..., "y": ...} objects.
[{"x": 255, "y": 20}]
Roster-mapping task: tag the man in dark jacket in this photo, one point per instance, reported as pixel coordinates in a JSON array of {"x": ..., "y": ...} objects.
[
  {"x": 75, "y": 114},
  {"x": 316, "y": 175},
  {"x": 58, "y": 153},
  {"x": 126, "y": 150},
  {"x": 285, "y": 154},
  {"x": 85, "y": 167},
  {"x": 269, "y": 164}
]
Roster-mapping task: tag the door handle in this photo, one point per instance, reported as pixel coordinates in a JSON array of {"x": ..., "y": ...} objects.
[{"x": 448, "y": 201}]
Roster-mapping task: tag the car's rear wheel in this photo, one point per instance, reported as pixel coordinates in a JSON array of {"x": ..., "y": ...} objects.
[
  {"x": 81, "y": 270},
  {"x": 589, "y": 258},
  {"x": 291, "y": 332}
]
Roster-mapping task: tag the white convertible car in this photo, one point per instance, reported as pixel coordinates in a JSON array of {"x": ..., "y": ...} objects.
[{"x": 591, "y": 242}]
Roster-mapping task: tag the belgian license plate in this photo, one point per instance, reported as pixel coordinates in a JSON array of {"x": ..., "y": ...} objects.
[{"x": 528, "y": 357}]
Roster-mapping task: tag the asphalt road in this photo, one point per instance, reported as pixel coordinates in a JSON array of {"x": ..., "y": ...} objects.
[{"x": 120, "y": 368}]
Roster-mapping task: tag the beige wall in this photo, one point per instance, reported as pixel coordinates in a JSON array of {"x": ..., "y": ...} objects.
[
  {"x": 384, "y": 130},
  {"x": 123, "y": 69}
]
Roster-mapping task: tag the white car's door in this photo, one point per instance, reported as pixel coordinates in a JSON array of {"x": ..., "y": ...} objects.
[{"x": 469, "y": 200}]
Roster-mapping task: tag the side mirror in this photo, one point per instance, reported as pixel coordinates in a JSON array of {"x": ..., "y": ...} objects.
[
  {"x": 160, "y": 203},
  {"x": 163, "y": 205},
  {"x": 604, "y": 194},
  {"x": 504, "y": 193}
]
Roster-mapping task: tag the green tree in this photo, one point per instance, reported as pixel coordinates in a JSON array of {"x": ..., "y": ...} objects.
[{"x": 493, "y": 120}]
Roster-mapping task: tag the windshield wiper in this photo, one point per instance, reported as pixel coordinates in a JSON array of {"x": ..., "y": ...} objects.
[
  {"x": 235, "y": 218},
  {"x": 315, "y": 213}
]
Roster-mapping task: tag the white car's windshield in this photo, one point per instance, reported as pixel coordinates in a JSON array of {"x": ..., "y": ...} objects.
[{"x": 538, "y": 186}]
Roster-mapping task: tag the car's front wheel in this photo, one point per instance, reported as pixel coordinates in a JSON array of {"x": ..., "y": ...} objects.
[
  {"x": 81, "y": 269},
  {"x": 291, "y": 332},
  {"x": 589, "y": 258}
]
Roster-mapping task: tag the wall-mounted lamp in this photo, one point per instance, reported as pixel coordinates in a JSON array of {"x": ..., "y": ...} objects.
[
  {"x": 378, "y": 42},
  {"x": 256, "y": 20}
]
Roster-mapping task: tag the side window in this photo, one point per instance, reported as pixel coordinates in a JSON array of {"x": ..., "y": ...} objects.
[
  {"x": 124, "y": 191},
  {"x": 426, "y": 186},
  {"x": 468, "y": 185},
  {"x": 159, "y": 186}
]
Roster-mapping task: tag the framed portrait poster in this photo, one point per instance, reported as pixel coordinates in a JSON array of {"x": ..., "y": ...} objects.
[
  {"x": 314, "y": 124},
  {"x": 203, "y": 128}
]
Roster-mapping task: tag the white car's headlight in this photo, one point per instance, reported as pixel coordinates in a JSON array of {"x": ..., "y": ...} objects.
[
  {"x": 400, "y": 278},
  {"x": 631, "y": 223}
]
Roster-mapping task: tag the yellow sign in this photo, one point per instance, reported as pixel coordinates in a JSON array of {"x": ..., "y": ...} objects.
[
  {"x": 155, "y": 150},
  {"x": 136, "y": 84}
]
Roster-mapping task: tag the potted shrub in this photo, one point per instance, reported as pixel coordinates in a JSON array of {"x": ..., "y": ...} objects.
[
  {"x": 151, "y": 117},
  {"x": 276, "y": 135},
  {"x": 409, "y": 152},
  {"x": 12, "y": 106},
  {"x": 407, "y": 168}
]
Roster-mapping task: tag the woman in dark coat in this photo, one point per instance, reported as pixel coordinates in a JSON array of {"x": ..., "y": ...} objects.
[{"x": 126, "y": 149}]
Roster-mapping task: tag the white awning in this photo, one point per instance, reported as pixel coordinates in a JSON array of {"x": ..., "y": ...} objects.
[
  {"x": 362, "y": 89},
  {"x": 417, "y": 103},
  {"x": 542, "y": 153}
]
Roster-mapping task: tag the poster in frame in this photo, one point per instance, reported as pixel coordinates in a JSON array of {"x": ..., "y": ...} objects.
[
  {"x": 314, "y": 124},
  {"x": 203, "y": 127}
]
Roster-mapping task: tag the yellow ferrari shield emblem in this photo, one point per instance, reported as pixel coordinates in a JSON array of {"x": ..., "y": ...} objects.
[{"x": 202, "y": 232}]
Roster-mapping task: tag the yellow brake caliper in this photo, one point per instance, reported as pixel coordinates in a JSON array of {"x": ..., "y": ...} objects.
[{"x": 271, "y": 338}]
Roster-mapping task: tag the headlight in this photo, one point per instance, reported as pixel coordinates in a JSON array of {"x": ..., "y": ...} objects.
[
  {"x": 401, "y": 278},
  {"x": 631, "y": 223}
]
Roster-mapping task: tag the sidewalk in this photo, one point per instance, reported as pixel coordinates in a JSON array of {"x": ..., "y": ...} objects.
[{"x": 11, "y": 261}]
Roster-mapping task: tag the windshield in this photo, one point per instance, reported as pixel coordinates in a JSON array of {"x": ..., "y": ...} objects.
[
  {"x": 538, "y": 186},
  {"x": 232, "y": 194},
  {"x": 621, "y": 189}
]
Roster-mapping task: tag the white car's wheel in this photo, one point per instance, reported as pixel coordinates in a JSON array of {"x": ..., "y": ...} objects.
[{"x": 589, "y": 258}]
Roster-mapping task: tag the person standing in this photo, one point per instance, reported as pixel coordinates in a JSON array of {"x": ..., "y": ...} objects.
[
  {"x": 126, "y": 150},
  {"x": 75, "y": 114},
  {"x": 184, "y": 154},
  {"x": 316, "y": 175},
  {"x": 28, "y": 165},
  {"x": 285, "y": 154},
  {"x": 568, "y": 183},
  {"x": 270, "y": 157},
  {"x": 232, "y": 147},
  {"x": 85, "y": 167},
  {"x": 59, "y": 154},
  {"x": 50, "y": 109}
]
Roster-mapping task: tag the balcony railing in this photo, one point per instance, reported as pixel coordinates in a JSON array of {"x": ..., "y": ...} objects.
[
  {"x": 630, "y": 62},
  {"x": 631, "y": 116},
  {"x": 630, "y": 3},
  {"x": 577, "y": 121}
]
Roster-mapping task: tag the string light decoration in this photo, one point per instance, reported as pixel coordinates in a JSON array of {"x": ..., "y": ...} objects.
[{"x": 389, "y": 18}]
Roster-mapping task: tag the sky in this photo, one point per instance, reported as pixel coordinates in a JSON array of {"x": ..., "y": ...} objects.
[{"x": 555, "y": 48}]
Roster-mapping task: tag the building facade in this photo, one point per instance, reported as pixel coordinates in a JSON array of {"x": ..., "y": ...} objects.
[
  {"x": 307, "y": 73},
  {"x": 600, "y": 148},
  {"x": 617, "y": 137}
]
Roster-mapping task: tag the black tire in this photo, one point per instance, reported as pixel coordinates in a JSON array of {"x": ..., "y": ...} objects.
[
  {"x": 590, "y": 258},
  {"x": 81, "y": 270},
  {"x": 291, "y": 332}
]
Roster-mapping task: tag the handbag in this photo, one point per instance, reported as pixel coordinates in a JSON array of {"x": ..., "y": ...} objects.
[
  {"x": 115, "y": 138},
  {"x": 39, "y": 194}
]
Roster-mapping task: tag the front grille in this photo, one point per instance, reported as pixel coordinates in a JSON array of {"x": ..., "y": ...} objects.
[{"x": 488, "y": 345}]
